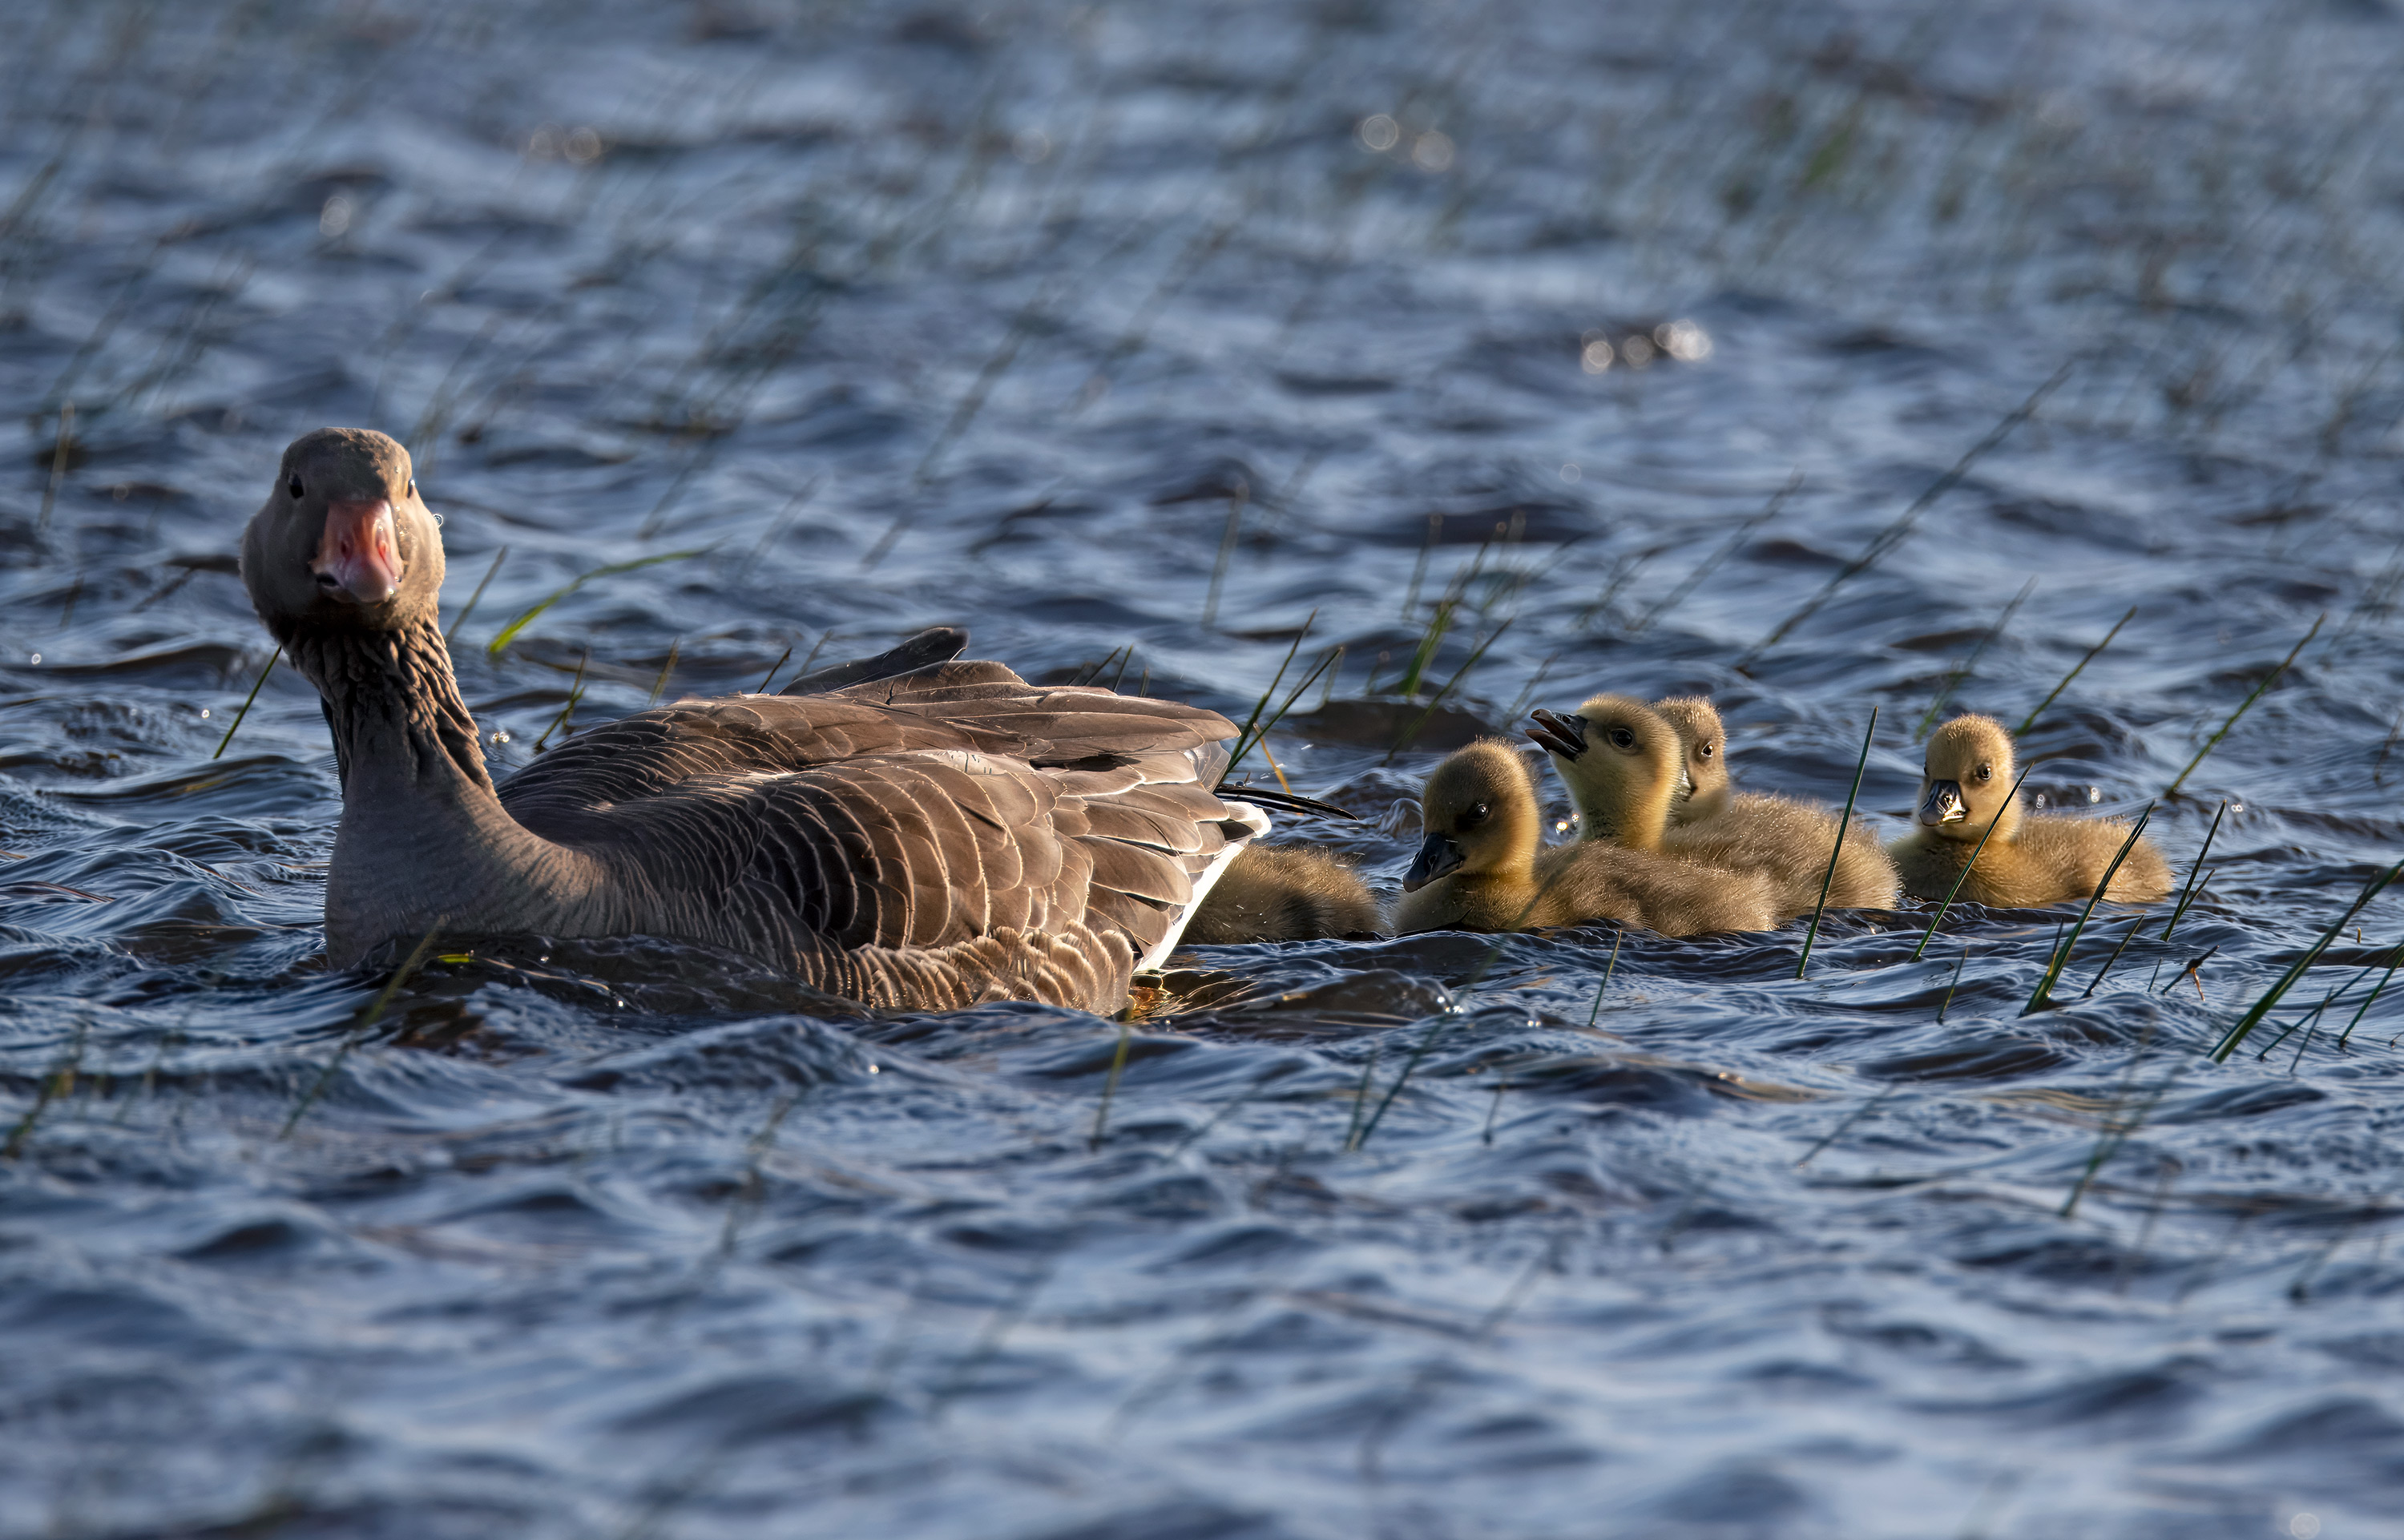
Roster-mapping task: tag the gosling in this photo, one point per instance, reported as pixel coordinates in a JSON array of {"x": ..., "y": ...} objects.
[
  {"x": 1632, "y": 770},
  {"x": 1966, "y": 786},
  {"x": 1283, "y": 892},
  {"x": 1482, "y": 867}
]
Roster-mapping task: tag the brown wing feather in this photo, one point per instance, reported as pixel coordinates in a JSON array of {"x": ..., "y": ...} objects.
[{"x": 929, "y": 838}]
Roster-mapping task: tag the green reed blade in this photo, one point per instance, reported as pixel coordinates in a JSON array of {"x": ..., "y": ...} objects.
[
  {"x": 255, "y": 687},
  {"x": 771, "y": 671},
  {"x": 1412, "y": 732},
  {"x": 1256, "y": 739},
  {"x": 2214, "y": 741},
  {"x": 2373, "y": 996},
  {"x": 1595, "y": 1014},
  {"x": 1244, "y": 736},
  {"x": 2043, "y": 997},
  {"x": 2262, "y": 1007},
  {"x": 367, "y": 1019},
  {"x": 1838, "y": 850},
  {"x": 1953, "y": 680},
  {"x": 2195, "y": 873},
  {"x": 481, "y": 584},
  {"x": 1948, "y": 1003},
  {"x": 1896, "y": 533},
  {"x": 1711, "y": 563},
  {"x": 660, "y": 685},
  {"x": 2142, "y": 921},
  {"x": 1111, "y": 1086},
  {"x": 2030, "y": 720},
  {"x": 1963, "y": 875},
  {"x": 510, "y": 632},
  {"x": 1437, "y": 624}
]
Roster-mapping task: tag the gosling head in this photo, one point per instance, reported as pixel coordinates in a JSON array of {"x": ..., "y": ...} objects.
[
  {"x": 1967, "y": 781},
  {"x": 343, "y": 539},
  {"x": 1624, "y": 765},
  {"x": 1479, "y": 814},
  {"x": 1698, "y": 728}
]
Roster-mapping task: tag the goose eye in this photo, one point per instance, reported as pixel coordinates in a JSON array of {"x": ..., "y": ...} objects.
[
  {"x": 293, "y": 487},
  {"x": 1622, "y": 739}
]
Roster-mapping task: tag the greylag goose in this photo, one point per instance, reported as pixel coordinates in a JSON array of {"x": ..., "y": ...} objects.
[
  {"x": 2029, "y": 861},
  {"x": 943, "y": 836},
  {"x": 1627, "y": 767},
  {"x": 1482, "y": 865}
]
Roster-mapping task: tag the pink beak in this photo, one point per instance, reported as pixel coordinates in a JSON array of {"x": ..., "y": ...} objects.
[{"x": 358, "y": 558}]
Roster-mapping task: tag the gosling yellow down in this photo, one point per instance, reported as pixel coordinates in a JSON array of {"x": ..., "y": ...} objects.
[
  {"x": 2028, "y": 861},
  {"x": 1283, "y": 892},
  {"x": 1634, "y": 770},
  {"x": 1482, "y": 865}
]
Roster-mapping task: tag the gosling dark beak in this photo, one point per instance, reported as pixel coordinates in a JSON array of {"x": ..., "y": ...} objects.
[
  {"x": 358, "y": 556},
  {"x": 1557, "y": 734},
  {"x": 1437, "y": 856},
  {"x": 1943, "y": 804}
]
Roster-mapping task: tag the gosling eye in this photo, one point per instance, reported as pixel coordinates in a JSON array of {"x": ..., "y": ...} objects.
[
  {"x": 293, "y": 487},
  {"x": 1622, "y": 739},
  {"x": 413, "y": 486},
  {"x": 1474, "y": 817},
  {"x": 1704, "y": 752},
  {"x": 1986, "y": 772}
]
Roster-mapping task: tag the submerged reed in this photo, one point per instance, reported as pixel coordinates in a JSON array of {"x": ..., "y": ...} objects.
[
  {"x": 2043, "y": 994},
  {"x": 1838, "y": 848},
  {"x": 255, "y": 687},
  {"x": 2077, "y": 668},
  {"x": 2287, "y": 981}
]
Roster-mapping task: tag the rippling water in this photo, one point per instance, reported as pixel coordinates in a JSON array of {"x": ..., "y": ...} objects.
[{"x": 1141, "y": 342}]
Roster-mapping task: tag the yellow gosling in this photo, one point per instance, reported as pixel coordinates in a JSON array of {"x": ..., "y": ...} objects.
[
  {"x": 1284, "y": 893},
  {"x": 1632, "y": 769},
  {"x": 1482, "y": 865},
  {"x": 2029, "y": 860}
]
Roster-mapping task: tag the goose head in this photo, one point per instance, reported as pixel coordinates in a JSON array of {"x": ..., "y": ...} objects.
[
  {"x": 1624, "y": 765},
  {"x": 343, "y": 540},
  {"x": 1698, "y": 728},
  {"x": 1967, "y": 780},
  {"x": 1478, "y": 811}
]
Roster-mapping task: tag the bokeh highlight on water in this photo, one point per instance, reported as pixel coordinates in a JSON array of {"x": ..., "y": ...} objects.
[{"x": 1156, "y": 334}]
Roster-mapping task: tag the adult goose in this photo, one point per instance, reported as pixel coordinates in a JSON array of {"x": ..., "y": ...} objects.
[{"x": 943, "y": 836}]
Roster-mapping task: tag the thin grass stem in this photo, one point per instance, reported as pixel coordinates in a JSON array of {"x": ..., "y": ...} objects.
[
  {"x": 1595, "y": 1015},
  {"x": 2262, "y": 1007},
  {"x": 660, "y": 684},
  {"x": 1896, "y": 533},
  {"x": 1948, "y": 1002},
  {"x": 510, "y": 632},
  {"x": 2043, "y": 997},
  {"x": 485, "y": 581},
  {"x": 1437, "y": 699},
  {"x": 2373, "y": 996},
  {"x": 1110, "y": 1086},
  {"x": 1711, "y": 563},
  {"x": 2080, "y": 667},
  {"x": 1235, "y": 501},
  {"x": 2214, "y": 742},
  {"x": 771, "y": 671},
  {"x": 2195, "y": 873},
  {"x": 1837, "y": 850},
  {"x": 1953, "y": 680},
  {"x": 367, "y": 1019},
  {"x": 1963, "y": 875},
  {"x": 255, "y": 687},
  {"x": 1855, "y": 1116},
  {"x": 2140, "y": 925}
]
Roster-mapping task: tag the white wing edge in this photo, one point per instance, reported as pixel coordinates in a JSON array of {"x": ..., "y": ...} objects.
[{"x": 1252, "y": 820}]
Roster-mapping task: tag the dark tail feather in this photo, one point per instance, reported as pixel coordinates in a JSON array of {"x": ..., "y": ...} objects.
[
  {"x": 936, "y": 644},
  {"x": 1284, "y": 802}
]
